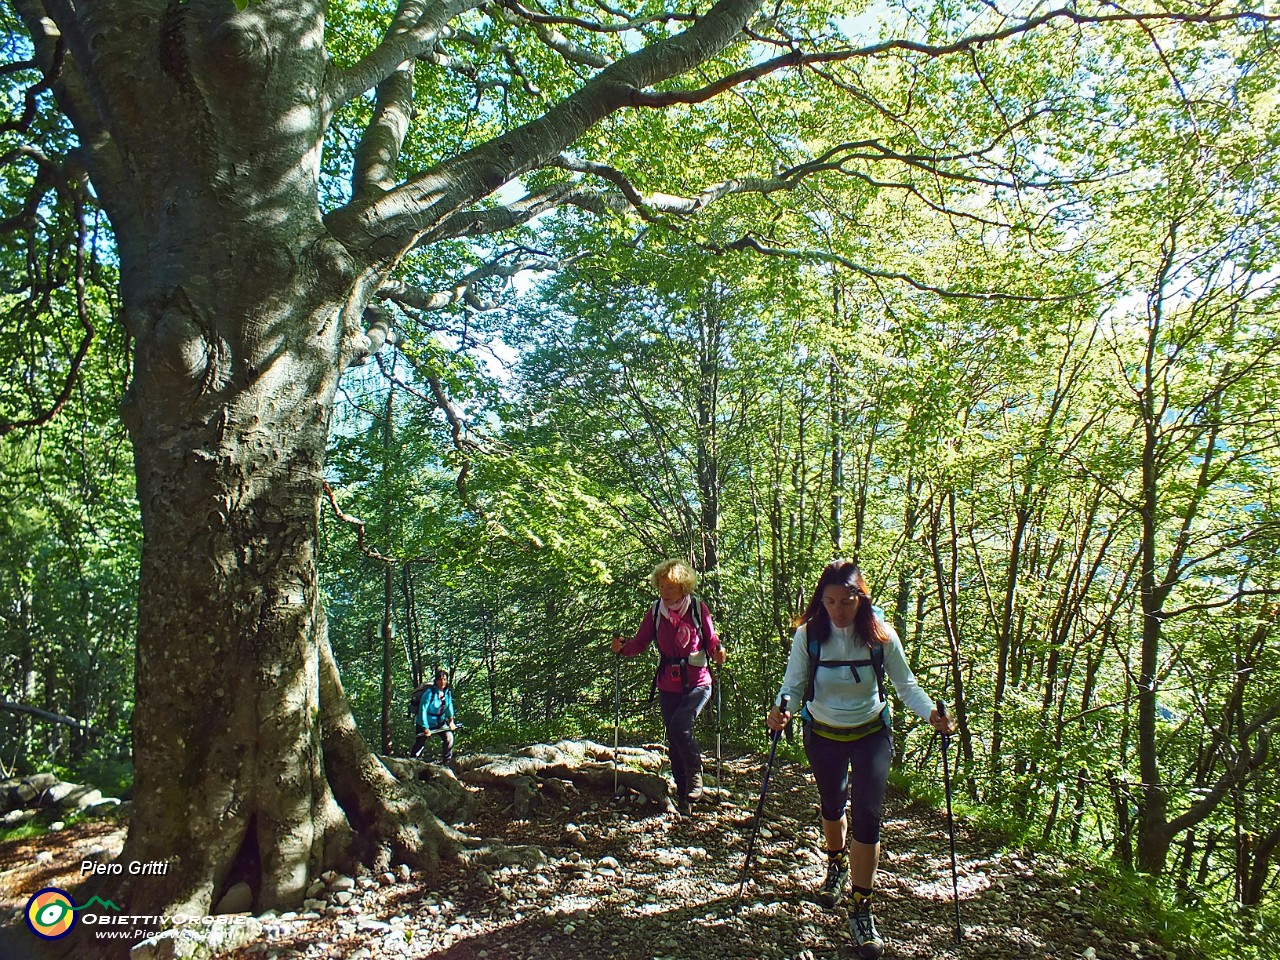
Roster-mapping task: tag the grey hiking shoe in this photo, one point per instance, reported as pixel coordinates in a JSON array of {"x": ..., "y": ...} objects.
[
  {"x": 863, "y": 927},
  {"x": 832, "y": 888},
  {"x": 695, "y": 786}
]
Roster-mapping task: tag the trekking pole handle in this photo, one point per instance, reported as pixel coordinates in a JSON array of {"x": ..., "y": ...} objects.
[
  {"x": 942, "y": 712},
  {"x": 782, "y": 708}
]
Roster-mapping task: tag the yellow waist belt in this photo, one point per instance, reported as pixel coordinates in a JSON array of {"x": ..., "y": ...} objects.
[{"x": 847, "y": 734}]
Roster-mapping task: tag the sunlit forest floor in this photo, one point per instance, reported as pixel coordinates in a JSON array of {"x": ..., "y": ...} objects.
[{"x": 630, "y": 883}]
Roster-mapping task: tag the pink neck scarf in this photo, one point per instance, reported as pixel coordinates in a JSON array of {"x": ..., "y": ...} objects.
[{"x": 674, "y": 613}]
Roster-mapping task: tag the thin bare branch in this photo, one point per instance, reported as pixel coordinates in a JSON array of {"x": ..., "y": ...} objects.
[
  {"x": 49, "y": 175},
  {"x": 32, "y": 93},
  {"x": 359, "y": 526},
  {"x": 54, "y": 31},
  {"x": 626, "y": 21},
  {"x": 463, "y": 290},
  {"x": 478, "y": 223},
  {"x": 749, "y": 242},
  {"x": 795, "y": 58},
  {"x": 570, "y": 51},
  {"x": 10, "y": 707},
  {"x": 1230, "y": 599},
  {"x": 86, "y": 323}
]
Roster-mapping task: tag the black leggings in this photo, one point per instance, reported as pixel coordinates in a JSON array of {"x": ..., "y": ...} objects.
[
  {"x": 831, "y": 762},
  {"x": 679, "y": 711}
]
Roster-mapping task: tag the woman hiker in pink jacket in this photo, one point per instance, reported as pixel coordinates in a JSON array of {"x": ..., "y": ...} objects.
[{"x": 681, "y": 627}]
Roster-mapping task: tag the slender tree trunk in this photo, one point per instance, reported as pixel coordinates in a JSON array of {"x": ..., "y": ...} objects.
[
  {"x": 388, "y": 645},
  {"x": 1077, "y": 808},
  {"x": 1257, "y": 870},
  {"x": 946, "y": 578},
  {"x": 388, "y": 572},
  {"x": 26, "y": 672},
  {"x": 708, "y": 438},
  {"x": 779, "y": 582},
  {"x": 1153, "y": 838},
  {"x": 837, "y": 416},
  {"x": 490, "y": 661},
  {"x": 907, "y": 570},
  {"x": 1004, "y": 642}
]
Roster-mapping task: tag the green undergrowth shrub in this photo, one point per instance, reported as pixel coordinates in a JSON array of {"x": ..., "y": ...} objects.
[{"x": 1192, "y": 926}]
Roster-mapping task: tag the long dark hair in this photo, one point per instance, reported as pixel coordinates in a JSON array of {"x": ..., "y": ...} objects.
[{"x": 843, "y": 573}]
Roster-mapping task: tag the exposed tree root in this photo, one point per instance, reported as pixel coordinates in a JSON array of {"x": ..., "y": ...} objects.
[
  {"x": 393, "y": 820},
  {"x": 550, "y": 769}
]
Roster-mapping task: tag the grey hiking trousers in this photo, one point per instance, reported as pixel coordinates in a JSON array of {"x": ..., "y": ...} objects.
[{"x": 679, "y": 711}]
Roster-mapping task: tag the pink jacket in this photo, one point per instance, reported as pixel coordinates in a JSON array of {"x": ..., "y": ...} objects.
[{"x": 669, "y": 678}]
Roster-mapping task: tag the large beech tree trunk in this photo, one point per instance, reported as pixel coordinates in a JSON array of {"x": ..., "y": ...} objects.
[
  {"x": 228, "y": 719},
  {"x": 248, "y": 765}
]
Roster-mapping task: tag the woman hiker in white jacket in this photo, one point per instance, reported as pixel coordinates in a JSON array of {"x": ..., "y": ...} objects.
[{"x": 847, "y": 728}]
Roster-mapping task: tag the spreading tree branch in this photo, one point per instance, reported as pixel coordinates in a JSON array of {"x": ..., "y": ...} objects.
[
  {"x": 752, "y": 243},
  {"x": 414, "y": 31},
  {"x": 9, "y": 707},
  {"x": 382, "y": 229}
]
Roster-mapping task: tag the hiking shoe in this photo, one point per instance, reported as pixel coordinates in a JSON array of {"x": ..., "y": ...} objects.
[
  {"x": 863, "y": 927},
  {"x": 832, "y": 888},
  {"x": 695, "y": 786},
  {"x": 683, "y": 808}
]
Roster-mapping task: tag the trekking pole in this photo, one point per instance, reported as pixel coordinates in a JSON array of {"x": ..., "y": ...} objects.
[
  {"x": 456, "y": 728},
  {"x": 617, "y": 717},
  {"x": 951, "y": 824},
  {"x": 720, "y": 793},
  {"x": 774, "y": 735}
]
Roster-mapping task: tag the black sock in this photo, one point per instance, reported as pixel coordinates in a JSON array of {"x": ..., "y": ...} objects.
[
  {"x": 864, "y": 893},
  {"x": 837, "y": 854}
]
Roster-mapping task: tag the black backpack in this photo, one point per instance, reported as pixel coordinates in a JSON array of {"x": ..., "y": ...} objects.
[
  {"x": 874, "y": 660},
  {"x": 413, "y": 707}
]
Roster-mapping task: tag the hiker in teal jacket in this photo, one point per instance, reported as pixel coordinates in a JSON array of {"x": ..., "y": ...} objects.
[
  {"x": 840, "y": 654},
  {"x": 435, "y": 717}
]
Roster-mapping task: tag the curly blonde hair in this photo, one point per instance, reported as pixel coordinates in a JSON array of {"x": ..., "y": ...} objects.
[{"x": 675, "y": 571}]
